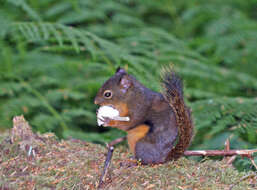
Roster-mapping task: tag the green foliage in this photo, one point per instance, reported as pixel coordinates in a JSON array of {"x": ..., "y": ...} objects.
[{"x": 56, "y": 54}]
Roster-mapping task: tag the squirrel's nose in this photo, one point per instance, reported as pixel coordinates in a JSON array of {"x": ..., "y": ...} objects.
[{"x": 97, "y": 101}]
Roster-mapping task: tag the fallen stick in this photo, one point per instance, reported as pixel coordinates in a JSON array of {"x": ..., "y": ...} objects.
[
  {"x": 108, "y": 159},
  {"x": 106, "y": 166},
  {"x": 226, "y": 152},
  {"x": 246, "y": 153}
]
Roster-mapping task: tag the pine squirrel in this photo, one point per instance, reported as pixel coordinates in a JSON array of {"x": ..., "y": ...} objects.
[{"x": 160, "y": 126}]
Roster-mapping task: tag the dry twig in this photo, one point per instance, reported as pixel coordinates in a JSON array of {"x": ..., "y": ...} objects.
[
  {"x": 108, "y": 159},
  {"x": 226, "y": 152}
]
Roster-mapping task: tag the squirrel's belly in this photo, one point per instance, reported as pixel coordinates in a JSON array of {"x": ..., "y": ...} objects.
[{"x": 135, "y": 134}]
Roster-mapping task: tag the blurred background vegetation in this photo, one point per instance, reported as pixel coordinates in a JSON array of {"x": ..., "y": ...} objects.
[{"x": 55, "y": 55}]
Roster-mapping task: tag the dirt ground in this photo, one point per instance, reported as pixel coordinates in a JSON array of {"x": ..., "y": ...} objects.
[{"x": 34, "y": 161}]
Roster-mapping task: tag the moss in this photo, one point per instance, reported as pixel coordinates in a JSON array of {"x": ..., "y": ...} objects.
[
  {"x": 74, "y": 164},
  {"x": 34, "y": 161}
]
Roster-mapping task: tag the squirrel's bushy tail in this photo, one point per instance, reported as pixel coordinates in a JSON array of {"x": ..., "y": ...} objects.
[{"x": 173, "y": 93}]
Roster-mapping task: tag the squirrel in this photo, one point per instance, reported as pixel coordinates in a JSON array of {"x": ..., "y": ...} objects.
[{"x": 160, "y": 126}]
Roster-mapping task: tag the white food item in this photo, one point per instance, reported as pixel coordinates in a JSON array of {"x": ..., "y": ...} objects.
[
  {"x": 110, "y": 112},
  {"x": 106, "y": 111}
]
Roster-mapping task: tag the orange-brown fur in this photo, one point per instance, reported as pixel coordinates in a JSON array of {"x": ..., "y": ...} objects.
[{"x": 135, "y": 134}]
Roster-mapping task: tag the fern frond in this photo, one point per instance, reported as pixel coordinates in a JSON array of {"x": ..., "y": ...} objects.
[
  {"x": 22, "y": 3},
  {"x": 67, "y": 36},
  {"x": 218, "y": 115}
]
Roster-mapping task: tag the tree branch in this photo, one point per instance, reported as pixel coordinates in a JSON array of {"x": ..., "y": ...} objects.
[{"x": 246, "y": 153}]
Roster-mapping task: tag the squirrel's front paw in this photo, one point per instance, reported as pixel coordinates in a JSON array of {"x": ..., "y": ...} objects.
[
  {"x": 118, "y": 122},
  {"x": 107, "y": 121}
]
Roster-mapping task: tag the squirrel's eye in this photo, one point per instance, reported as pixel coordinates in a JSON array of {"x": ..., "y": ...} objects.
[{"x": 107, "y": 94}]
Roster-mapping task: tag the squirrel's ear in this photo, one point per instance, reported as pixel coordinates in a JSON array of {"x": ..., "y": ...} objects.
[
  {"x": 120, "y": 70},
  {"x": 125, "y": 83}
]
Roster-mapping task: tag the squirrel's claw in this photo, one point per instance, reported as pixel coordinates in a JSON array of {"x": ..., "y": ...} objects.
[{"x": 106, "y": 121}]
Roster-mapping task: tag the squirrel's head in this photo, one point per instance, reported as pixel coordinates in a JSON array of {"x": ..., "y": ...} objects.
[{"x": 115, "y": 89}]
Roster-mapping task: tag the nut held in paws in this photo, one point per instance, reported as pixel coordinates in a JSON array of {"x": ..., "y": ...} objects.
[{"x": 106, "y": 111}]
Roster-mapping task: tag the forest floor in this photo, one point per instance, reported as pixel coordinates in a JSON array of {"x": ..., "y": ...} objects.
[{"x": 41, "y": 161}]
